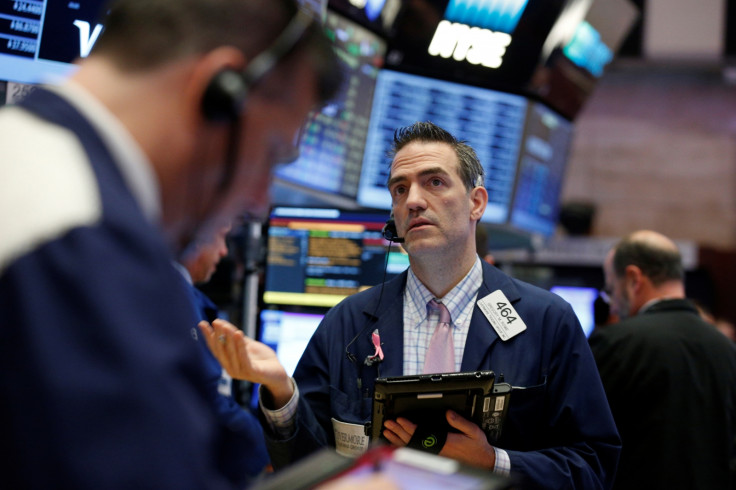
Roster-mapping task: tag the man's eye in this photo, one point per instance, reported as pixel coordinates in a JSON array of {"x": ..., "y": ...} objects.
[
  {"x": 435, "y": 182},
  {"x": 398, "y": 190}
]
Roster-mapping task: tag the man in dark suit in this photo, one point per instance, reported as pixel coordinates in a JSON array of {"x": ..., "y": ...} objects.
[{"x": 670, "y": 376}]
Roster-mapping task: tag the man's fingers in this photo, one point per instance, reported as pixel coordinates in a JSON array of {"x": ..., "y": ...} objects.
[
  {"x": 209, "y": 335},
  {"x": 223, "y": 339},
  {"x": 460, "y": 423},
  {"x": 393, "y": 438},
  {"x": 401, "y": 428},
  {"x": 235, "y": 348}
]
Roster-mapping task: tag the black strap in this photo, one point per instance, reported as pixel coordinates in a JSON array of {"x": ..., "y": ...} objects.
[{"x": 428, "y": 439}]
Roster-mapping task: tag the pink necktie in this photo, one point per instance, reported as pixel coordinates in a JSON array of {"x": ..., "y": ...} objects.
[{"x": 441, "y": 351}]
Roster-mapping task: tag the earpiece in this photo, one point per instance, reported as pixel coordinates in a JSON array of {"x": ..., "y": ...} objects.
[
  {"x": 389, "y": 231},
  {"x": 225, "y": 96}
]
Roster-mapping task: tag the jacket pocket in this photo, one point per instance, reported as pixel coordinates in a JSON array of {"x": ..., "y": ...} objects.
[{"x": 525, "y": 424}]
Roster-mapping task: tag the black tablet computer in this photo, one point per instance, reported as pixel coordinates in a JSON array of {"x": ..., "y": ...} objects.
[{"x": 425, "y": 398}]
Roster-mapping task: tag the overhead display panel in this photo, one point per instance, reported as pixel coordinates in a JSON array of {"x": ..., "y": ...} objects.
[
  {"x": 39, "y": 39},
  {"x": 490, "y": 43},
  {"x": 577, "y": 51},
  {"x": 544, "y": 155},
  {"x": 333, "y": 140},
  {"x": 491, "y": 122}
]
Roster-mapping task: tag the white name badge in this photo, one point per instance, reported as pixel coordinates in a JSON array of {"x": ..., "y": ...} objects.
[
  {"x": 502, "y": 316},
  {"x": 350, "y": 439}
]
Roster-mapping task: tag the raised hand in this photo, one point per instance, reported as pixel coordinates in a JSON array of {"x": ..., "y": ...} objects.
[{"x": 248, "y": 359}]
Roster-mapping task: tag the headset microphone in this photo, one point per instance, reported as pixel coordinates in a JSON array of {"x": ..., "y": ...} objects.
[{"x": 389, "y": 231}]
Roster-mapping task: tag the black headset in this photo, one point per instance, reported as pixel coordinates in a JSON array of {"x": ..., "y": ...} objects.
[
  {"x": 389, "y": 231},
  {"x": 225, "y": 95}
]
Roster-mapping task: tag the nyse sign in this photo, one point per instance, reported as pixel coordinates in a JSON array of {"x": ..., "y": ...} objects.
[
  {"x": 475, "y": 45},
  {"x": 87, "y": 37}
]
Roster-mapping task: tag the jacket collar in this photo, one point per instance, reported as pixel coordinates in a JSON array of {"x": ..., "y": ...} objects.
[{"x": 387, "y": 309}]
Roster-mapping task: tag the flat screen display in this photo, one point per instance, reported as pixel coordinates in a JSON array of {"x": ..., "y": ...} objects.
[
  {"x": 333, "y": 140},
  {"x": 318, "y": 256},
  {"x": 542, "y": 165},
  {"x": 287, "y": 333},
  {"x": 582, "y": 300},
  {"x": 39, "y": 39},
  {"x": 491, "y": 122}
]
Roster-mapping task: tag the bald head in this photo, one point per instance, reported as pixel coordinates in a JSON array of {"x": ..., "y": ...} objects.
[
  {"x": 642, "y": 267},
  {"x": 656, "y": 255}
]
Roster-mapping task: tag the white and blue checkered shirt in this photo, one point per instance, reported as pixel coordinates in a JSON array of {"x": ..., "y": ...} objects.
[{"x": 420, "y": 322}]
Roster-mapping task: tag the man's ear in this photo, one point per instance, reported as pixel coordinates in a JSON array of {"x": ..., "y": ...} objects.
[
  {"x": 478, "y": 202},
  {"x": 634, "y": 277},
  {"x": 207, "y": 69}
]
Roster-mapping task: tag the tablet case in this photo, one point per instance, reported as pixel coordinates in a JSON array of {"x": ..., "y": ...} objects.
[{"x": 425, "y": 398}]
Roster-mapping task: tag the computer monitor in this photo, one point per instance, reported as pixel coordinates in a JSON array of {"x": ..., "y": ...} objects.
[
  {"x": 491, "y": 122},
  {"x": 318, "y": 256},
  {"x": 333, "y": 140},
  {"x": 582, "y": 300},
  {"x": 39, "y": 38},
  {"x": 287, "y": 333},
  {"x": 544, "y": 156}
]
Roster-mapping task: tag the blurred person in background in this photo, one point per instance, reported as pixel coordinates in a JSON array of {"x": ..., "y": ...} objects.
[
  {"x": 669, "y": 375},
  {"x": 248, "y": 449}
]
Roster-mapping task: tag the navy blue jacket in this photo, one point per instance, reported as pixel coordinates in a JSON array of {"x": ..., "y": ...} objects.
[
  {"x": 559, "y": 432},
  {"x": 247, "y": 454},
  {"x": 101, "y": 385}
]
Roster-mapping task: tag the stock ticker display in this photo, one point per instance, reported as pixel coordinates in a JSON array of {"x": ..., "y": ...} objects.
[
  {"x": 318, "y": 256},
  {"x": 331, "y": 149},
  {"x": 544, "y": 156},
  {"x": 39, "y": 39}
]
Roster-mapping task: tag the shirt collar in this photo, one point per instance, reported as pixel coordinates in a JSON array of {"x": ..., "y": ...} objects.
[
  {"x": 456, "y": 300},
  {"x": 651, "y": 303},
  {"x": 184, "y": 272},
  {"x": 134, "y": 165}
]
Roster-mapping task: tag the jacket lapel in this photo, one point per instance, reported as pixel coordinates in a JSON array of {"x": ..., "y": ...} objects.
[
  {"x": 388, "y": 317},
  {"x": 481, "y": 334}
]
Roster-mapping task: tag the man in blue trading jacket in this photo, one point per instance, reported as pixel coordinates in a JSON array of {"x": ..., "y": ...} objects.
[
  {"x": 559, "y": 432},
  {"x": 248, "y": 453},
  {"x": 104, "y": 180}
]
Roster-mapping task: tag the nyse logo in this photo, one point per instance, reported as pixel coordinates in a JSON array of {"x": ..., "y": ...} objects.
[
  {"x": 472, "y": 44},
  {"x": 496, "y": 15},
  {"x": 87, "y": 39}
]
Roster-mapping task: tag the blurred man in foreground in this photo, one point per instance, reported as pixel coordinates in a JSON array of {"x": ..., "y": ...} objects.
[{"x": 166, "y": 131}]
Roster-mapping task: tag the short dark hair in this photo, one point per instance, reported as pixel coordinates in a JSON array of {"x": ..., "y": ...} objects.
[
  {"x": 470, "y": 170},
  {"x": 141, "y": 35},
  {"x": 660, "y": 264}
]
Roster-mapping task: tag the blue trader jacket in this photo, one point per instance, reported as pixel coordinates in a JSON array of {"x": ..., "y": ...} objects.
[
  {"x": 101, "y": 385},
  {"x": 559, "y": 432},
  {"x": 247, "y": 453}
]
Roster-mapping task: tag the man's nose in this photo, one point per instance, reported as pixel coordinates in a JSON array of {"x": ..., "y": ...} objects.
[{"x": 415, "y": 198}]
